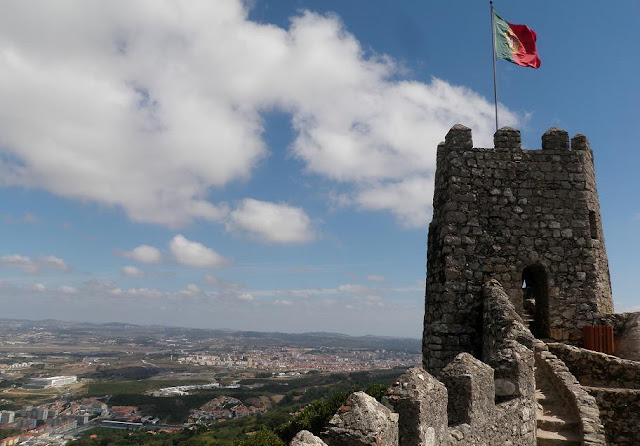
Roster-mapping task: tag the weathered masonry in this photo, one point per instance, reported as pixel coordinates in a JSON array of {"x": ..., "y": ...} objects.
[{"x": 528, "y": 218}]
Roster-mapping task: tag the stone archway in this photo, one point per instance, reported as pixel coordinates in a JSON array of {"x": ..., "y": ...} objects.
[{"x": 535, "y": 295}]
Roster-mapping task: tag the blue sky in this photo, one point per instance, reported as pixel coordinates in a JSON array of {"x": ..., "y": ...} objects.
[{"x": 268, "y": 165}]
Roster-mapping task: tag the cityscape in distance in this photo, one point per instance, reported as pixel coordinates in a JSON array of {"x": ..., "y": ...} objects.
[{"x": 59, "y": 379}]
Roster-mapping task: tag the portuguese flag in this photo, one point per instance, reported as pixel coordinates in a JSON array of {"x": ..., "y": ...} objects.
[{"x": 515, "y": 43}]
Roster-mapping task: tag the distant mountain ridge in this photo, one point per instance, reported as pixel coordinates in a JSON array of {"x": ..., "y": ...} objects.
[{"x": 310, "y": 339}]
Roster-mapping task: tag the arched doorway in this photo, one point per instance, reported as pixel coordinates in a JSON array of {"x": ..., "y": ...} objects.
[{"x": 535, "y": 295}]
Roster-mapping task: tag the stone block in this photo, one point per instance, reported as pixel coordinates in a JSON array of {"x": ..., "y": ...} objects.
[
  {"x": 557, "y": 334},
  {"x": 362, "y": 421},
  {"x": 628, "y": 342},
  {"x": 421, "y": 402},
  {"x": 507, "y": 138},
  {"x": 459, "y": 137},
  {"x": 555, "y": 139},
  {"x": 306, "y": 438},
  {"x": 580, "y": 142},
  {"x": 471, "y": 390}
]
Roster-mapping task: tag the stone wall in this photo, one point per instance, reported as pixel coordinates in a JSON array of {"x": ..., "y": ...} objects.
[
  {"x": 626, "y": 328},
  {"x": 460, "y": 410},
  {"x": 500, "y": 211},
  {"x": 474, "y": 417},
  {"x": 598, "y": 369},
  {"x": 507, "y": 345},
  {"x": 421, "y": 402},
  {"x": 620, "y": 413},
  {"x": 487, "y": 403},
  {"x": 471, "y": 407},
  {"x": 362, "y": 421},
  {"x": 575, "y": 396}
]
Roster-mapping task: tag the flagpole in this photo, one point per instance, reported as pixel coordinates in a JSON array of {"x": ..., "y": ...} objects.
[{"x": 493, "y": 52}]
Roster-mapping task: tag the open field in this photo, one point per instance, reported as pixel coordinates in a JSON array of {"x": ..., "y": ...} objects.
[{"x": 134, "y": 387}]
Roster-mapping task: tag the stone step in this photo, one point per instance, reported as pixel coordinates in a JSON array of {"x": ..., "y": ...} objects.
[
  {"x": 563, "y": 438},
  {"x": 548, "y": 397},
  {"x": 555, "y": 423}
]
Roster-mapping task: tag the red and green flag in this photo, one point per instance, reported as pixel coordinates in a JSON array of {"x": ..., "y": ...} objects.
[{"x": 515, "y": 43}]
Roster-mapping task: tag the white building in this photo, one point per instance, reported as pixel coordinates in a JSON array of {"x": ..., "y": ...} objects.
[
  {"x": 7, "y": 416},
  {"x": 53, "y": 381}
]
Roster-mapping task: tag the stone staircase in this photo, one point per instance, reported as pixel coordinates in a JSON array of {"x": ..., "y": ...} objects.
[
  {"x": 527, "y": 314},
  {"x": 556, "y": 425}
]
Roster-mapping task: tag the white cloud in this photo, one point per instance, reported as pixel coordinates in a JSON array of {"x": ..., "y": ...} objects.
[
  {"x": 144, "y": 254},
  {"x": 39, "y": 287},
  {"x": 271, "y": 222},
  {"x": 52, "y": 262},
  {"x": 352, "y": 288},
  {"x": 18, "y": 261},
  {"x": 221, "y": 283},
  {"x": 372, "y": 292},
  {"x": 190, "y": 253},
  {"x": 132, "y": 271},
  {"x": 142, "y": 292},
  {"x": 103, "y": 301},
  {"x": 33, "y": 265},
  {"x": 142, "y": 107},
  {"x": 245, "y": 297},
  {"x": 191, "y": 289},
  {"x": 408, "y": 199}
]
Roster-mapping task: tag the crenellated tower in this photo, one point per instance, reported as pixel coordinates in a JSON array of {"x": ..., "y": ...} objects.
[{"x": 528, "y": 218}]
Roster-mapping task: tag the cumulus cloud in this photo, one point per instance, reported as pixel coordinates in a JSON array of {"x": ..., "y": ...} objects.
[
  {"x": 33, "y": 265},
  {"x": 271, "y": 222},
  {"x": 143, "y": 254},
  {"x": 408, "y": 199},
  {"x": 138, "y": 105},
  {"x": 132, "y": 271},
  {"x": 66, "y": 289},
  {"x": 39, "y": 287},
  {"x": 189, "y": 253}
]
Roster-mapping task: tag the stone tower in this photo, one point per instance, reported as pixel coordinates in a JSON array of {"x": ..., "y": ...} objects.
[{"x": 528, "y": 218}]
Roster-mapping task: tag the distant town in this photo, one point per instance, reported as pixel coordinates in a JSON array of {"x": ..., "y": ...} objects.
[{"x": 59, "y": 380}]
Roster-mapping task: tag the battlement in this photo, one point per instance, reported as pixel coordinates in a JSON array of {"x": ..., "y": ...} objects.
[{"x": 459, "y": 137}]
